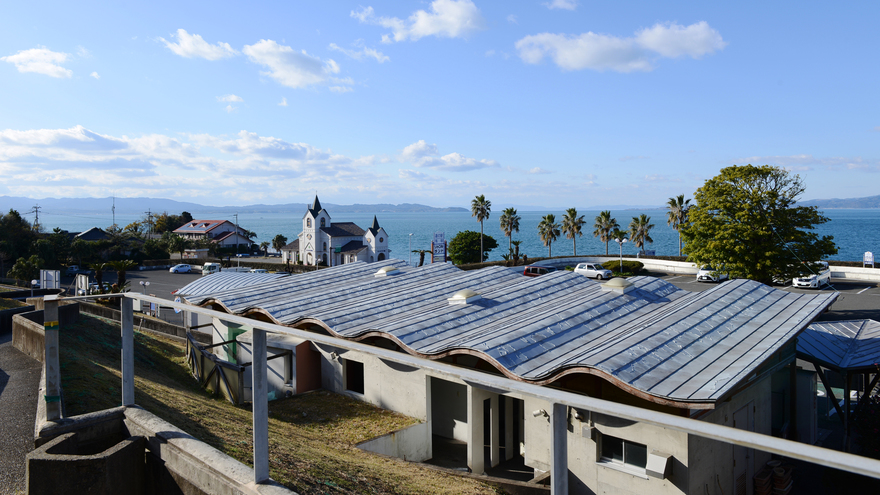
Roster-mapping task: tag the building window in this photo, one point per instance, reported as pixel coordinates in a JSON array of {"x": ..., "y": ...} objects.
[
  {"x": 323, "y": 222},
  {"x": 325, "y": 246},
  {"x": 309, "y": 222},
  {"x": 381, "y": 239},
  {"x": 623, "y": 452},
  {"x": 354, "y": 376}
]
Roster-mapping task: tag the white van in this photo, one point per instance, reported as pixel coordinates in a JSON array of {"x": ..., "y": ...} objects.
[{"x": 209, "y": 268}]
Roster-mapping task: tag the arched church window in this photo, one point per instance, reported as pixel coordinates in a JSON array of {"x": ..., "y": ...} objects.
[
  {"x": 323, "y": 222},
  {"x": 381, "y": 239},
  {"x": 325, "y": 246},
  {"x": 309, "y": 222}
]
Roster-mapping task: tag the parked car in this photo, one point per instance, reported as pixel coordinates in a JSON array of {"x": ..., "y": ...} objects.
[
  {"x": 814, "y": 280},
  {"x": 259, "y": 270},
  {"x": 181, "y": 268},
  {"x": 535, "y": 271},
  {"x": 708, "y": 273},
  {"x": 593, "y": 270},
  {"x": 209, "y": 268},
  {"x": 72, "y": 270}
]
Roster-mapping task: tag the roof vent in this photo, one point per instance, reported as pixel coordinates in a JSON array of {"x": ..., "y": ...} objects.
[
  {"x": 387, "y": 270},
  {"x": 464, "y": 296},
  {"x": 619, "y": 285}
]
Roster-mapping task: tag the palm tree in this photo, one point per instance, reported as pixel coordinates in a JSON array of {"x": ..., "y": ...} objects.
[
  {"x": 480, "y": 208},
  {"x": 515, "y": 251},
  {"x": 509, "y": 224},
  {"x": 99, "y": 274},
  {"x": 278, "y": 242},
  {"x": 422, "y": 253},
  {"x": 677, "y": 215},
  {"x": 604, "y": 226},
  {"x": 121, "y": 267},
  {"x": 548, "y": 230},
  {"x": 640, "y": 231},
  {"x": 572, "y": 225},
  {"x": 264, "y": 246}
]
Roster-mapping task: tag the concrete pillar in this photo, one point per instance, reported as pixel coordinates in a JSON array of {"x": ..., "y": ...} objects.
[
  {"x": 52, "y": 387},
  {"x": 494, "y": 427},
  {"x": 475, "y": 455},
  {"x": 792, "y": 400},
  {"x": 260, "y": 408},
  {"x": 508, "y": 428},
  {"x": 847, "y": 384},
  {"x": 559, "y": 450},
  {"x": 127, "y": 366}
]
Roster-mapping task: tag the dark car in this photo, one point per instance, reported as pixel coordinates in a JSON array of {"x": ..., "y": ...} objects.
[{"x": 535, "y": 270}]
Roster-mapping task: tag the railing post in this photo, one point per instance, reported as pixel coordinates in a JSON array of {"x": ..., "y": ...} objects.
[
  {"x": 51, "y": 362},
  {"x": 260, "y": 408},
  {"x": 127, "y": 325},
  {"x": 559, "y": 450}
]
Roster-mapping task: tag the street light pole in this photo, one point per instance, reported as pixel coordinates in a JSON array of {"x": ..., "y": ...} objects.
[
  {"x": 410, "y": 249},
  {"x": 620, "y": 242}
]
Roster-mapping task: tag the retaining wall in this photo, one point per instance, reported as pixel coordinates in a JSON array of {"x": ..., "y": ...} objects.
[
  {"x": 6, "y": 317},
  {"x": 407, "y": 444},
  {"x": 27, "y": 329}
]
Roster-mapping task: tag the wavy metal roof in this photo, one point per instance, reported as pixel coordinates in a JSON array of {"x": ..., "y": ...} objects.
[
  {"x": 842, "y": 345},
  {"x": 220, "y": 281},
  {"x": 656, "y": 340}
]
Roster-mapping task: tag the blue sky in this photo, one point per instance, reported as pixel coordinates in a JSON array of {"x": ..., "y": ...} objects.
[{"x": 556, "y": 103}]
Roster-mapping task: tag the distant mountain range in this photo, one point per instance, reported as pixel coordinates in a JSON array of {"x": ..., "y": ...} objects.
[
  {"x": 867, "y": 202},
  {"x": 138, "y": 206}
]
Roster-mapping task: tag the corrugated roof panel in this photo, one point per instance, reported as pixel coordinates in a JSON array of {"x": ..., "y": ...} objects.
[
  {"x": 659, "y": 339},
  {"x": 843, "y": 345}
]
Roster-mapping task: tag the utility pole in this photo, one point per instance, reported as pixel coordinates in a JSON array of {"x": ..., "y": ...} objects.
[
  {"x": 113, "y": 210},
  {"x": 150, "y": 221},
  {"x": 36, "y": 210},
  {"x": 236, "y": 239}
]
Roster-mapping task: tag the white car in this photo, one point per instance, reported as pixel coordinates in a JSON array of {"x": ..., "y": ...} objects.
[
  {"x": 814, "y": 281},
  {"x": 593, "y": 270},
  {"x": 711, "y": 274},
  {"x": 259, "y": 270},
  {"x": 182, "y": 268}
]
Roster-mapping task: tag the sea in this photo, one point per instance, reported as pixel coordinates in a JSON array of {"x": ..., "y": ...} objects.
[{"x": 855, "y": 231}]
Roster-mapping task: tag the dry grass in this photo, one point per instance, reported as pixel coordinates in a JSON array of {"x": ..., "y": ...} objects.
[
  {"x": 10, "y": 303},
  {"x": 311, "y": 436}
]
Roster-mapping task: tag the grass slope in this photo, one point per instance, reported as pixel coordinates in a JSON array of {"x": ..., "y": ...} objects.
[{"x": 311, "y": 436}]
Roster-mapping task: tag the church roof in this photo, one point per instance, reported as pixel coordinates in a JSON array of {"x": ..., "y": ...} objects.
[
  {"x": 315, "y": 208},
  {"x": 343, "y": 229},
  {"x": 351, "y": 247},
  {"x": 293, "y": 246},
  {"x": 375, "y": 227}
]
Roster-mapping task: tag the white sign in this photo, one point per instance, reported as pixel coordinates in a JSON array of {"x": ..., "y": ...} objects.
[
  {"x": 50, "y": 279},
  {"x": 869, "y": 258},
  {"x": 177, "y": 300},
  {"x": 439, "y": 245}
]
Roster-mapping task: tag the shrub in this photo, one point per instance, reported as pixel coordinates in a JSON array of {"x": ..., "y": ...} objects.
[{"x": 629, "y": 266}]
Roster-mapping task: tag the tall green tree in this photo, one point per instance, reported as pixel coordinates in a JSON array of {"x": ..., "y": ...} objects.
[
  {"x": 480, "y": 208},
  {"x": 677, "y": 215},
  {"x": 640, "y": 231},
  {"x": 746, "y": 219},
  {"x": 421, "y": 253},
  {"x": 548, "y": 231},
  {"x": 465, "y": 247},
  {"x": 26, "y": 269},
  {"x": 121, "y": 267},
  {"x": 100, "y": 268},
  {"x": 572, "y": 224},
  {"x": 264, "y": 247},
  {"x": 16, "y": 237},
  {"x": 604, "y": 226},
  {"x": 509, "y": 221}
]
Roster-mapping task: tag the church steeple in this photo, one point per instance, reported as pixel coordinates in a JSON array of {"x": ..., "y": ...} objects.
[
  {"x": 316, "y": 207},
  {"x": 375, "y": 227}
]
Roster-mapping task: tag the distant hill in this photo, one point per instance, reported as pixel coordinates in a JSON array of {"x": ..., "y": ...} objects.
[
  {"x": 867, "y": 202},
  {"x": 138, "y": 206}
]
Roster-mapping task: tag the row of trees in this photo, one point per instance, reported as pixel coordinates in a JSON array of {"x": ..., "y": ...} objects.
[{"x": 746, "y": 220}]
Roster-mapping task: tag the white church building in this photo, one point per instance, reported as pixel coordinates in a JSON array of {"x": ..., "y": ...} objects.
[{"x": 335, "y": 243}]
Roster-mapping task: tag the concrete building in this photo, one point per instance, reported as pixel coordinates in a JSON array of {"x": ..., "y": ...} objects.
[
  {"x": 719, "y": 356},
  {"x": 335, "y": 243}
]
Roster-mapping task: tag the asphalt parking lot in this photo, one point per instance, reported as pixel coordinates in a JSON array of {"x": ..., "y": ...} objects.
[{"x": 857, "y": 300}]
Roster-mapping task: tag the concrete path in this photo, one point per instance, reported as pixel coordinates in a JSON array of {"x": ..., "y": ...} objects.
[{"x": 19, "y": 385}]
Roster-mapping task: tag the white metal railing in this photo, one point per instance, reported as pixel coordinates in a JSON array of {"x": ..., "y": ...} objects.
[{"x": 805, "y": 452}]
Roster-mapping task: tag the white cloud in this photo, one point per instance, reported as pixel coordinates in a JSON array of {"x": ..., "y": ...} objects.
[
  {"x": 230, "y": 99},
  {"x": 604, "y": 52},
  {"x": 447, "y": 18},
  {"x": 40, "y": 60},
  {"x": 82, "y": 52},
  {"x": 876, "y": 129},
  {"x": 230, "y": 108},
  {"x": 193, "y": 46},
  {"x": 489, "y": 53},
  {"x": 801, "y": 163},
  {"x": 341, "y": 89},
  {"x": 512, "y": 19},
  {"x": 561, "y": 4},
  {"x": 289, "y": 67},
  {"x": 283, "y": 102},
  {"x": 364, "y": 52},
  {"x": 422, "y": 154},
  {"x": 538, "y": 170},
  {"x": 95, "y": 75}
]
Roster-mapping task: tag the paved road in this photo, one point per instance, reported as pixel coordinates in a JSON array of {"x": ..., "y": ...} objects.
[{"x": 19, "y": 384}]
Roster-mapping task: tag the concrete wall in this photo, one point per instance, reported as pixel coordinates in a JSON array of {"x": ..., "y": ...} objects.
[
  {"x": 6, "y": 317},
  {"x": 143, "y": 323},
  {"x": 407, "y": 444},
  {"x": 281, "y": 374},
  {"x": 28, "y": 335},
  {"x": 449, "y": 409},
  {"x": 677, "y": 267},
  {"x": 712, "y": 461},
  {"x": 856, "y": 273}
]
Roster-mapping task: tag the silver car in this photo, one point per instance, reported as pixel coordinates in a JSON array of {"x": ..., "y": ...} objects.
[{"x": 593, "y": 270}]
